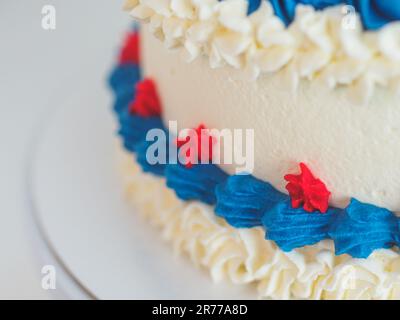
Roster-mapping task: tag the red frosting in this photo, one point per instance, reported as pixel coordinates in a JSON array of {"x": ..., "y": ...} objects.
[
  {"x": 199, "y": 139},
  {"x": 307, "y": 191},
  {"x": 130, "y": 49},
  {"x": 147, "y": 102}
]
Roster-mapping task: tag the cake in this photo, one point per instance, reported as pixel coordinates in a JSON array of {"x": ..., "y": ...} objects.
[{"x": 262, "y": 138}]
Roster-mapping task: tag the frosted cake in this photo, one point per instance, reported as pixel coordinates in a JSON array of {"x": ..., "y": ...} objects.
[{"x": 262, "y": 138}]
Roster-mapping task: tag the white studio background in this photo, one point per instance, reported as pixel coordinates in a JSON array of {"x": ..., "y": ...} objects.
[{"x": 37, "y": 67}]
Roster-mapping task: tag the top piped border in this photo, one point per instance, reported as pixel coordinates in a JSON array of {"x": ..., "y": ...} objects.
[
  {"x": 374, "y": 13},
  {"x": 318, "y": 40}
]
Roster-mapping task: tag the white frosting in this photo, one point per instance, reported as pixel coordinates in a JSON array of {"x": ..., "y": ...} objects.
[
  {"x": 244, "y": 256},
  {"x": 315, "y": 46},
  {"x": 354, "y": 149}
]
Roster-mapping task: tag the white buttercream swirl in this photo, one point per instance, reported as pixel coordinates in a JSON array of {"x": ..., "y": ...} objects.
[
  {"x": 315, "y": 46},
  {"x": 244, "y": 256}
]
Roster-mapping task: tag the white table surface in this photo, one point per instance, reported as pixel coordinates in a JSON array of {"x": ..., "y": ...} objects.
[{"x": 37, "y": 67}]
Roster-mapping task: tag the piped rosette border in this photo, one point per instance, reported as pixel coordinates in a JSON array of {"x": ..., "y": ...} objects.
[
  {"x": 351, "y": 44},
  {"x": 292, "y": 221}
]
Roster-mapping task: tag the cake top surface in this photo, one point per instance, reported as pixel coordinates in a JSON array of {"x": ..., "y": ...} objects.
[{"x": 340, "y": 43}]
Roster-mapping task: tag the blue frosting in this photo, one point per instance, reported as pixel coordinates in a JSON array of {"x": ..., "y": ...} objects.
[
  {"x": 196, "y": 183},
  {"x": 124, "y": 75},
  {"x": 374, "y": 13},
  {"x": 292, "y": 228},
  {"x": 123, "y": 97},
  {"x": 133, "y": 128},
  {"x": 286, "y": 9},
  {"x": 377, "y": 13},
  {"x": 122, "y": 81},
  {"x": 244, "y": 201},
  {"x": 253, "y": 5},
  {"x": 362, "y": 228}
]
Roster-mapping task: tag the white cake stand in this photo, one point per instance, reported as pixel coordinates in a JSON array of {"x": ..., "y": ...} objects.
[{"x": 96, "y": 239}]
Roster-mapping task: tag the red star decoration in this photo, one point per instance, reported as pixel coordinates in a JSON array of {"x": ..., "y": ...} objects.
[
  {"x": 147, "y": 102},
  {"x": 130, "y": 49},
  {"x": 200, "y": 140},
  {"x": 307, "y": 191}
]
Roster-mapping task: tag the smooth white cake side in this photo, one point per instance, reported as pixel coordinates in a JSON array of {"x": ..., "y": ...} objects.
[{"x": 354, "y": 149}]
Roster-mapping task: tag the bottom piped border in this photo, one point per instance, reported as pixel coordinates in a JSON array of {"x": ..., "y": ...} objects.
[
  {"x": 243, "y": 256},
  {"x": 242, "y": 200}
]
